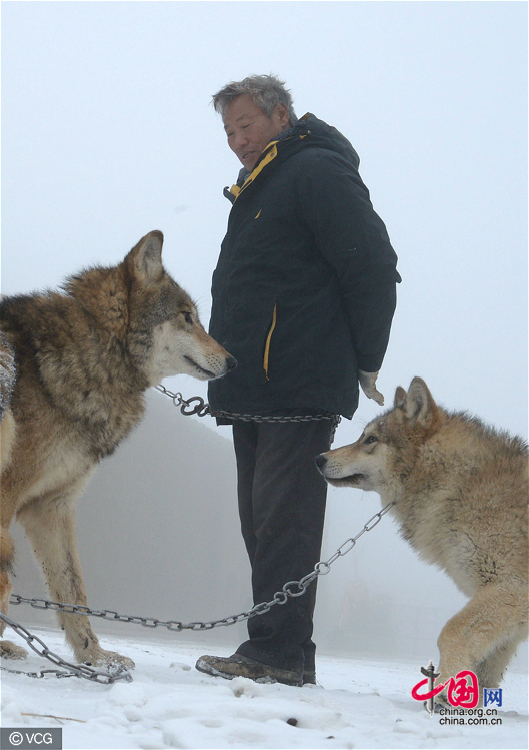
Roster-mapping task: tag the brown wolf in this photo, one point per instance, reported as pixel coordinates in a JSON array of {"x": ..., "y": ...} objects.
[
  {"x": 460, "y": 490},
  {"x": 84, "y": 359}
]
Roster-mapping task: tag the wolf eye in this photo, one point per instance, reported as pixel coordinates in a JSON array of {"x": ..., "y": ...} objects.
[
  {"x": 371, "y": 439},
  {"x": 187, "y": 316}
]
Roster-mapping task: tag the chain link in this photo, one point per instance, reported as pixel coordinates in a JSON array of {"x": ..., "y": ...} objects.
[
  {"x": 201, "y": 409},
  {"x": 74, "y": 670}
]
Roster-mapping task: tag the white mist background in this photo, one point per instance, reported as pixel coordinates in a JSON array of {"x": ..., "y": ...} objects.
[{"x": 108, "y": 133}]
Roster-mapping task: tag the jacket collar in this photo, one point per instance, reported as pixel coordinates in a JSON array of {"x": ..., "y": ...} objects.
[
  {"x": 269, "y": 154},
  {"x": 309, "y": 127}
]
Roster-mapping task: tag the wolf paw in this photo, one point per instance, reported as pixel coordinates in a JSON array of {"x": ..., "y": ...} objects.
[
  {"x": 9, "y": 650},
  {"x": 440, "y": 703},
  {"x": 109, "y": 658}
]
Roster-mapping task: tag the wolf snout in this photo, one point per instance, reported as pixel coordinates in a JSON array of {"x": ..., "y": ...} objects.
[
  {"x": 231, "y": 363},
  {"x": 321, "y": 461}
]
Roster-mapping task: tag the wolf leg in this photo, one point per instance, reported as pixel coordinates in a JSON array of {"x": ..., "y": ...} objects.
[
  {"x": 7, "y": 439},
  {"x": 477, "y": 638},
  {"x": 50, "y": 528},
  {"x": 8, "y": 649},
  {"x": 492, "y": 669}
]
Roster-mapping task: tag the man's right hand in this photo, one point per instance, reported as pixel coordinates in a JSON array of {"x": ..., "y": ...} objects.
[{"x": 368, "y": 382}]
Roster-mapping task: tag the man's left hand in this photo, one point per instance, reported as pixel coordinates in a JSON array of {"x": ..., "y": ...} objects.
[{"x": 368, "y": 382}]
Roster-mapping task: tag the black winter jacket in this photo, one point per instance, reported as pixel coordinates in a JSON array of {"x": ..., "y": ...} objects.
[{"x": 304, "y": 289}]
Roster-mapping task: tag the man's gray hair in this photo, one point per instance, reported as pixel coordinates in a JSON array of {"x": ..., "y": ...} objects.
[{"x": 266, "y": 91}]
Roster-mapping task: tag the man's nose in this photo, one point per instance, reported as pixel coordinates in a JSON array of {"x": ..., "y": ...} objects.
[{"x": 240, "y": 141}]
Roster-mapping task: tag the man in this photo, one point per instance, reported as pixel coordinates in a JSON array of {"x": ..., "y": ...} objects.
[{"x": 303, "y": 297}]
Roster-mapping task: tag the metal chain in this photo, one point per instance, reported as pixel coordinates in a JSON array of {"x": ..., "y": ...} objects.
[
  {"x": 201, "y": 409},
  {"x": 74, "y": 670},
  {"x": 292, "y": 589}
]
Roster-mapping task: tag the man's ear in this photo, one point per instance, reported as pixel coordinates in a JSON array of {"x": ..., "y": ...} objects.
[{"x": 284, "y": 117}]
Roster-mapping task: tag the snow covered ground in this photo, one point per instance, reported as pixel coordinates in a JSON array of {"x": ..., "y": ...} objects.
[{"x": 358, "y": 703}]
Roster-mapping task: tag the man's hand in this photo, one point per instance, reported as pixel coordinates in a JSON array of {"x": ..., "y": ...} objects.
[{"x": 368, "y": 382}]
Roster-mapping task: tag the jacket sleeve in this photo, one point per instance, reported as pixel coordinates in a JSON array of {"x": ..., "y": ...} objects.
[{"x": 352, "y": 238}]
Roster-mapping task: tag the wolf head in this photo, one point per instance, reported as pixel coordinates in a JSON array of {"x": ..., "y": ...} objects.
[
  {"x": 149, "y": 316},
  {"x": 383, "y": 457}
]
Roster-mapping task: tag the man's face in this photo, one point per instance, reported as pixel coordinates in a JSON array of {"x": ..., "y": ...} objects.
[{"x": 249, "y": 130}]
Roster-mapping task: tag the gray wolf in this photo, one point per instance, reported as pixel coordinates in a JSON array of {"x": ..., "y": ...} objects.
[
  {"x": 460, "y": 490},
  {"x": 84, "y": 358}
]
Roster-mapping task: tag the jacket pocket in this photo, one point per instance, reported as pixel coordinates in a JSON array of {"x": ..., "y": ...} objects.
[{"x": 268, "y": 340}]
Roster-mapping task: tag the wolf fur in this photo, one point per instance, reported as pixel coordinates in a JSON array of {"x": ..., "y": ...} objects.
[
  {"x": 7, "y": 383},
  {"x": 84, "y": 358},
  {"x": 460, "y": 490}
]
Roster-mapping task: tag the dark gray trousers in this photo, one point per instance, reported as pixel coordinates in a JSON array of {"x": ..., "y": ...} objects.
[{"x": 282, "y": 500}]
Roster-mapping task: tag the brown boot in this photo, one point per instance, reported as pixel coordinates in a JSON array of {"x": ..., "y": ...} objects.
[
  {"x": 242, "y": 666},
  {"x": 309, "y": 677}
]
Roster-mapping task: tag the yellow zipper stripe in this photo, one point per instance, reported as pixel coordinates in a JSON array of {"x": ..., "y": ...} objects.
[
  {"x": 235, "y": 189},
  {"x": 268, "y": 339},
  {"x": 251, "y": 177}
]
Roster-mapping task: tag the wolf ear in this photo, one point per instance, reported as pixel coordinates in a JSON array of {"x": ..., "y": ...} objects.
[
  {"x": 146, "y": 257},
  {"x": 400, "y": 398},
  {"x": 420, "y": 406}
]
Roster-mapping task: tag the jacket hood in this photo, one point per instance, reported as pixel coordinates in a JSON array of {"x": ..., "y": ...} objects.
[
  {"x": 309, "y": 132},
  {"x": 320, "y": 135}
]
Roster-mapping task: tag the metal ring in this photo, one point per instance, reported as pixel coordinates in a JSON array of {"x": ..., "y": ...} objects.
[{"x": 195, "y": 409}]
